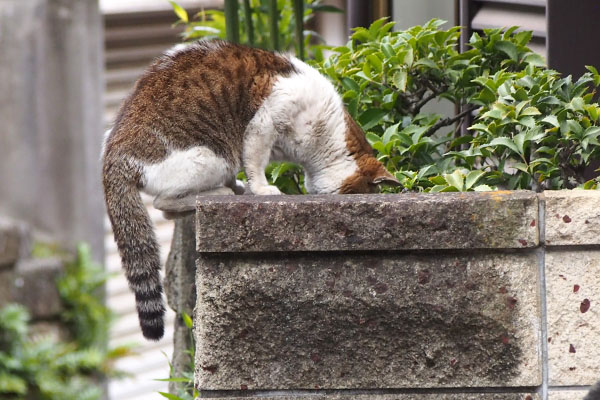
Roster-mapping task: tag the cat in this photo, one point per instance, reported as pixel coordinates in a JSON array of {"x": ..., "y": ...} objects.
[{"x": 201, "y": 113}]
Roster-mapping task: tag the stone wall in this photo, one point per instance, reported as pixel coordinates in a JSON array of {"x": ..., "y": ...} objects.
[
  {"x": 385, "y": 297},
  {"x": 29, "y": 281},
  {"x": 51, "y": 84}
]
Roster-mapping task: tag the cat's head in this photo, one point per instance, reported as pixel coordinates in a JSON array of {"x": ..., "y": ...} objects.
[{"x": 370, "y": 172}]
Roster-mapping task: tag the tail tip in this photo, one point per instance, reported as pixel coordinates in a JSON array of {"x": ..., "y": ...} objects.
[{"x": 153, "y": 332}]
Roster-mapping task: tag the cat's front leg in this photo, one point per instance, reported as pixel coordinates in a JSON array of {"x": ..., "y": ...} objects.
[{"x": 259, "y": 139}]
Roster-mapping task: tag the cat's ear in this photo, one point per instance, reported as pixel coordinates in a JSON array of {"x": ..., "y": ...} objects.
[{"x": 386, "y": 178}]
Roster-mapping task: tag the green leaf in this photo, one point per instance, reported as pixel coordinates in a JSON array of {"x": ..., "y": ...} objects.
[
  {"x": 571, "y": 126},
  {"x": 437, "y": 188},
  {"x": 375, "y": 26},
  {"x": 350, "y": 84},
  {"x": 10, "y": 383},
  {"x": 472, "y": 178},
  {"x": 372, "y": 138},
  {"x": 595, "y": 74},
  {"x": 508, "y": 48},
  {"x": 180, "y": 11},
  {"x": 486, "y": 96},
  {"x": 523, "y": 37},
  {"x": 170, "y": 396},
  {"x": 460, "y": 141},
  {"x": 409, "y": 57},
  {"x": 427, "y": 63},
  {"x": 450, "y": 189},
  {"x": 426, "y": 171},
  {"x": 505, "y": 142},
  {"x": 535, "y": 59},
  {"x": 552, "y": 120},
  {"x": 179, "y": 380},
  {"x": 400, "y": 79},
  {"x": 494, "y": 113},
  {"x": 577, "y": 104},
  {"x": 371, "y": 117},
  {"x": 455, "y": 179},
  {"x": 361, "y": 34},
  {"x": 480, "y": 127},
  {"x": 389, "y": 132},
  {"x": 187, "y": 320},
  {"x": 530, "y": 111},
  {"x": 387, "y": 50},
  {"x": 482, "y": 188},
  {"x": 375, "y": 62},
  {"x": 521, "y": 167}
]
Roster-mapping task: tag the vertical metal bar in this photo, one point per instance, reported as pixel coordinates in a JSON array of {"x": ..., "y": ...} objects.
[
  {"x": 274, "y": 23},
  {"x": 299, "y": 17},
  {"x": 381, "y": 8},
  {"x": 358, "y": 14},
  {"x": 249, "y": 23},
  {"x": 464, "y": 20},
  {"x": 232, "y": 25}
]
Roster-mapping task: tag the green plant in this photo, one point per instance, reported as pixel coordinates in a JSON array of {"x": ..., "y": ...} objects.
[
  {"x": 185, "y": 391},
  {"x": 41, "y": 367},
  {"x": 531, "y": 128},
  {"x": 80, "y": 288}
]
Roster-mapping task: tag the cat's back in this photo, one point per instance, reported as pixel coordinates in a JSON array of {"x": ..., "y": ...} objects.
[{"x": 203, "y": 93}]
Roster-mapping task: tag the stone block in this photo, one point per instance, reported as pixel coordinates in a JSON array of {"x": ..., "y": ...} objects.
[
  {"x": 6, "y": 283},
  {"x": 180, "y": 290},
  {"x": 567, "y": 394},
  {"x": 573, "y": 302},
  {"x": 367, "y": 222},
  {"x": 367, "y": 320},
  {"x": 48, "y": 330},
  {"x": 403, "y": 396},
  {"x": 15, "y": 242},
  {"x": 572, "y": 217},
  {"x": 33, "y": 284}
]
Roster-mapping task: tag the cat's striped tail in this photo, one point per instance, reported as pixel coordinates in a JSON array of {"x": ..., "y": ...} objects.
[{"x": 137, "y": 244}]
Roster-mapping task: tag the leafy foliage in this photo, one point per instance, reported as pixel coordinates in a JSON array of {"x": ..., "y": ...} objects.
[
  {"x": 212, "y": 24},
  {"x": 43, "y": 368},
  {"x": 80, "y": 288},
  {"x": 531, "y": 128},
  {"x": 522, "y": 125}
]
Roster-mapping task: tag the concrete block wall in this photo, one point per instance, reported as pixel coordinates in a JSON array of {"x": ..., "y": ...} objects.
[
  {"x": 412, "y": 296},
  {"x": 29, "y": 281}
]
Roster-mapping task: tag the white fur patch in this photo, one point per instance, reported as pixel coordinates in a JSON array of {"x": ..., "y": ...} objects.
[
  {"x": 197, "y": 169},
  {"x": 104, "y": 140},
  {"x": 308, "y": 114},
  {"x": 178, "y": 48}
]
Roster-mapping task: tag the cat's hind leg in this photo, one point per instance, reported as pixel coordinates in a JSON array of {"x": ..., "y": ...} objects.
[{"x": 176, "y": 180}]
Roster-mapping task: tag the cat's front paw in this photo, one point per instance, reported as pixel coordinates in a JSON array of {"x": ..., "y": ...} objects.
[{"x": 266, "y": 190}]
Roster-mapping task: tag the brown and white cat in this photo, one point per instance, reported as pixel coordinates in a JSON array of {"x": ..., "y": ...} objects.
[{"x": 200, "y": 114}]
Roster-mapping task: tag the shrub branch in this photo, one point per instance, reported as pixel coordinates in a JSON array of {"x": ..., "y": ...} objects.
[{"x": 450, "y": 120}]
